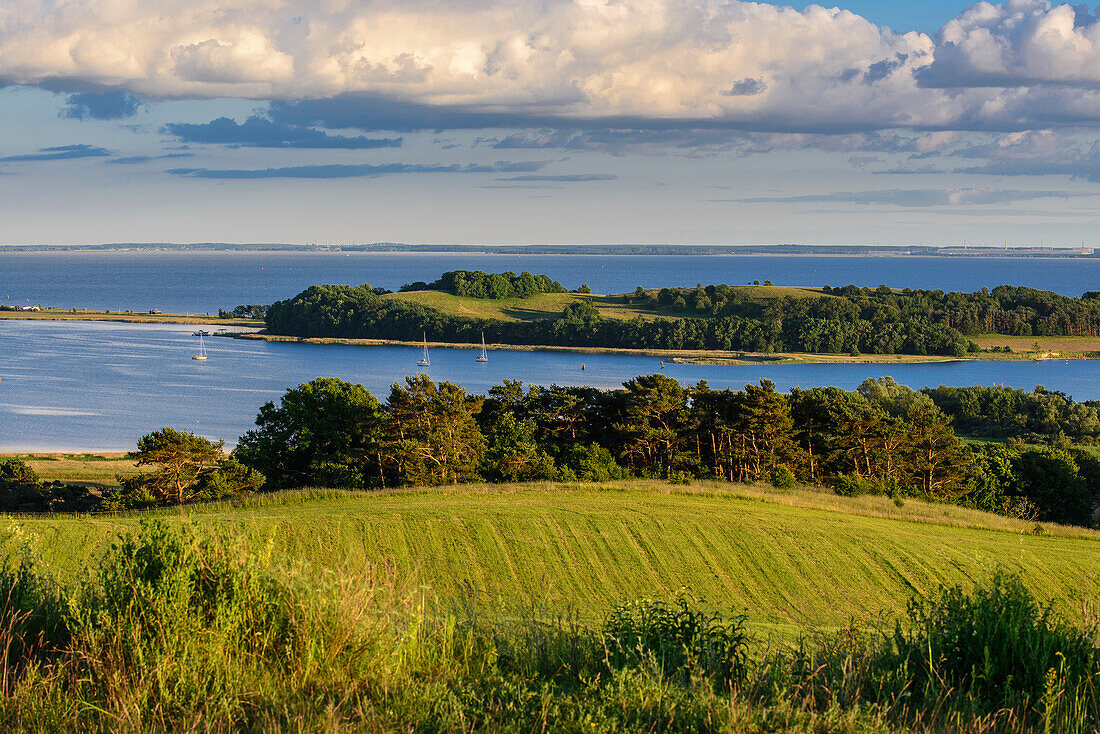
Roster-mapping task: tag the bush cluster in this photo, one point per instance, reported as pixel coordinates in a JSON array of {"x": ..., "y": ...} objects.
[{"x": 22, "y": 491}]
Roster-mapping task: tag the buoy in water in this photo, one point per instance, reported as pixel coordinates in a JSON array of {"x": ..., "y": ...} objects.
[{"x": 582, "y": 365}]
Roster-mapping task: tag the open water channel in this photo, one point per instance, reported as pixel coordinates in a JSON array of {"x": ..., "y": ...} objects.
[{"x": 99, "y": 386}]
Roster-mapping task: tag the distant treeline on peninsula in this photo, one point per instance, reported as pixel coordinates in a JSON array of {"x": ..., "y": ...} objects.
[
  {"x": 714, "y": 317},
  {"x": 616, "y": 249}
]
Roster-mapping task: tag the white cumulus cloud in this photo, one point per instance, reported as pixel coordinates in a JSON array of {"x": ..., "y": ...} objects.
[
  {"x": 1018, "y": 43},
  {"x": 1021, "y": 64},
  {"x": 582, "y": 58}
]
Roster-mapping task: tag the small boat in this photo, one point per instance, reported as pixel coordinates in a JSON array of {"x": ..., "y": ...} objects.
[
  {"x": 424, "y": 360},
  {"x": 202, "y": 345},
  {"x": 483, "y": 357}
]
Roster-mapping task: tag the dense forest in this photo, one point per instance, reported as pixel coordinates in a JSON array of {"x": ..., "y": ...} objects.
[
  {"x": 843, "y": 320},
  {"x": 883, "y": 438},
  {"x": 1003, "y": 412}
]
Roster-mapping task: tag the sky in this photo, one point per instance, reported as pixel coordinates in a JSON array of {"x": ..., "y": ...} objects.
[{"x": 549, "y": 121}]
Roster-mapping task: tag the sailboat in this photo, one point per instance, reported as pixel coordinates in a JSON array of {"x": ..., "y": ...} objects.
[
  {"x": 424, "y": 361},
  {"x": 483, "y": 357},
  {"x": 202, "y": 345}
]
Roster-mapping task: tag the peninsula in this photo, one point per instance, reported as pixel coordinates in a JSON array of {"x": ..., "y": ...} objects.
[{"x": 712, "y": 323}]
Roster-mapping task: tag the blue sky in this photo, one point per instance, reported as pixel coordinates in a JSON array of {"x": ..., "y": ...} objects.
[
  {"x": 918, "y": 15},
  {"x": 568, "y": 121}
]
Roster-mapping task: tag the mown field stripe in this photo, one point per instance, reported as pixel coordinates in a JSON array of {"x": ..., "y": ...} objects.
[{"x": 787, "y": 564}]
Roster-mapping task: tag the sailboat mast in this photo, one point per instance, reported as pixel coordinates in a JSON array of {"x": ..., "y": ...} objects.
[
  {"x": 424, "y": 360},
  {"x": 483, "y": 357}
]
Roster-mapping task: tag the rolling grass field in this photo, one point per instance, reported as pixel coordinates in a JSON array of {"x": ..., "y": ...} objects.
[
  {"x": 550, "y": 305},
  {"x": 792, "y": 560}
]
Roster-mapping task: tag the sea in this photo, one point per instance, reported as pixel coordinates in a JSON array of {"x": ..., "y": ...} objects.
[
  {"x": 203, "y": 282},
  {"x": 99, "y": 386}
]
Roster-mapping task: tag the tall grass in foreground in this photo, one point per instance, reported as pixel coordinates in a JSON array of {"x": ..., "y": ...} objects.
[{"x": 177, "y": 629}]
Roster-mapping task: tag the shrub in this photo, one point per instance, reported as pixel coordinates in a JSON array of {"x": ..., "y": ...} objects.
[
  {"x": 591, "y": 463},
  {"x": 32, "y": 608},
  {"x": 995, "y": 645},
  {"x": 20, "y": 488},
  {"x": 173, "y": 627},
  {"x": 1051, "y": 479},
  {"x": 782, "y": 477},
  {"x": 230, "y": 478},
  {"x": 678, "y": 477},
  {"x": 678, "y": 638},
  {"x": 851, "y": 485}
]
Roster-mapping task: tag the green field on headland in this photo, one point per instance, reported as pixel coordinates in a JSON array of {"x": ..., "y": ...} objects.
[
  {"x": 550, "y": 305},
  {"x": 725, "y": 323}
]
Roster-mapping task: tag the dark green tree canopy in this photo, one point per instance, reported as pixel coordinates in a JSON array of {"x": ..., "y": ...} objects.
[
  {"x": 883, "y": 438},
  {"x": 479, "y": 284},
  {"x": 325, "y": 432},
  {"x": 842, "y": 321}
]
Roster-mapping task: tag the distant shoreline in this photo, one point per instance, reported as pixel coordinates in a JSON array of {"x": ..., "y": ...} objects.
[
  {"x": 621, "y": 250},
  {"x": 128, "y": 317},
  {"x": 1073, "y": 348},
  {"x": 699, "y": 356}
]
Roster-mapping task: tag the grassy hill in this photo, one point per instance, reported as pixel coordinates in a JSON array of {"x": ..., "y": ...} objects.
[
  {"x": 790, "y": 559},
  {"x": 550, "y": 305}
]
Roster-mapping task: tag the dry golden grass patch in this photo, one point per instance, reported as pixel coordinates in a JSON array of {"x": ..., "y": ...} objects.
[
  {"x": 133, "y": 317},
  {"x": 99, "y": 468},
  {"x": 1046, "y": 343}
]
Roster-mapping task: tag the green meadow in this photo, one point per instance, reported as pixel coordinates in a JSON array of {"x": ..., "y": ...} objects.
[
  {"x": 793, "y": 561},
  {"x": 550, "y": 305}
]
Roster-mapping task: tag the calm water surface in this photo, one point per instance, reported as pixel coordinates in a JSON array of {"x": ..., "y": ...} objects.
[
  {"x": 195, "y": 282},
  {"x": 100, "y": 386}
]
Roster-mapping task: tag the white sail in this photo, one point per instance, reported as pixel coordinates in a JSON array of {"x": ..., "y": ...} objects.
[
  {"x": 484, "y": 356},
  {"x": 202, "y": 345},
  {"x": 424, "y": 360}
]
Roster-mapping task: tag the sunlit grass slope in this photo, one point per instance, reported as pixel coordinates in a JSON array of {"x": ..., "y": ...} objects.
[
  {"x": 791, "y": 560},
  {"x": 549, "y": 305}
]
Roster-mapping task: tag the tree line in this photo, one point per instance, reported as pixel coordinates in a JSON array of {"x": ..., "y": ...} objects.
[
  {"x": 844, "y": 320},
  {"x": 358, "y": 312},
  {"x": 1010, "y": 310},
  {"x": 882, "y": 438},
  {"x": 1039, "y": 415},
  {"x": 479, "y": 284}
]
